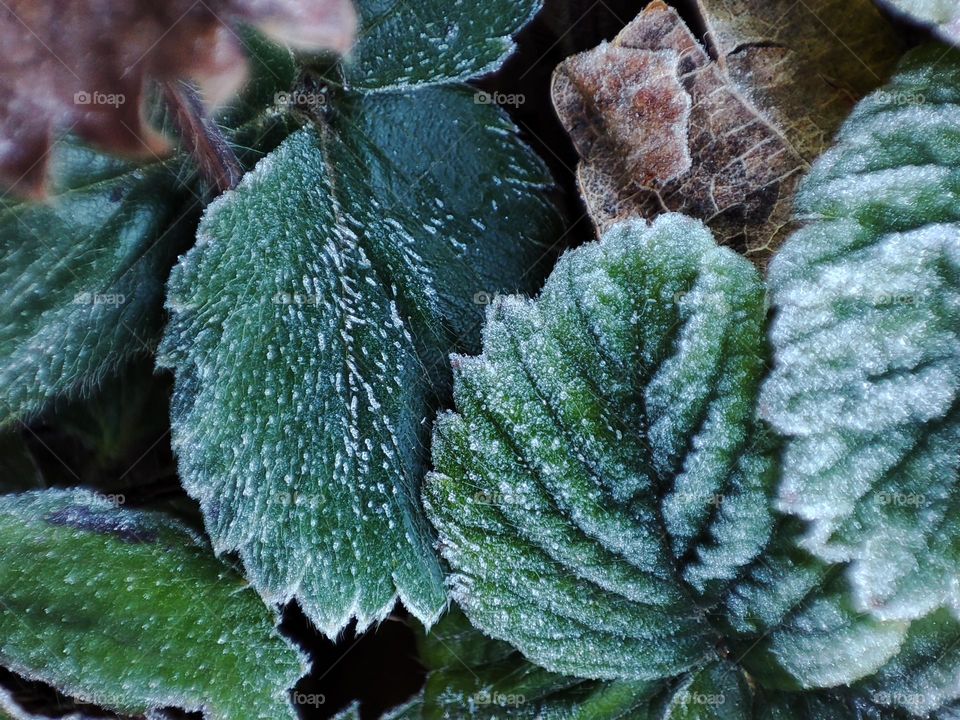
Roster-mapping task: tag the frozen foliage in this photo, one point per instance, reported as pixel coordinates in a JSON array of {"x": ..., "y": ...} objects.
[
  {"x": 864, "y": 387},
  {"x": 471, "y": 676},
  {"x": 81, "y": 277},
  {"x": 309, "y": 323},
  {"x": 130, "y": 610},
  {"x": 604, "y": 479},
  {"x": 404, "y": 44},
  {"x": 866, "y": 383}
]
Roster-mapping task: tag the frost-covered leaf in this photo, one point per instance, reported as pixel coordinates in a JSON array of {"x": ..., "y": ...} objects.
[
  {"x": 429, "y": 41},
  {"x": 322, "y": 296},
  {"x": 866, "y": 383},
  {"x": 719, "y": 691},
  {"x": 941, "y": 16},
  {"x": 81, "y": 276},
  {"x": 721, "y": 132},
  {"x": 130, "y": 611},
  {"x": 924, "y": 678},
  {"x": 808, "y": 634},
  {"x": 604, "y": 478}
]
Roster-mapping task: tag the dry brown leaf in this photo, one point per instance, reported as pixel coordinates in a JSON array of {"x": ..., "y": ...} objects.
[
  {"x": 82, "y": 66},
  {"x": 803, "y": 63},
  {"x": 660, "y": 126}
]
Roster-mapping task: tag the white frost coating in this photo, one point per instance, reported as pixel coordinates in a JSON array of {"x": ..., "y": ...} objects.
[
  {"x": 575, "y": 492},
  {"x": 308, "y": 330},
  {"x": 866, "y": 337}
]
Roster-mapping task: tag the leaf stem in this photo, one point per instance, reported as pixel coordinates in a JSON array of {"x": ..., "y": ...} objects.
[{"x": 202, "y": 137}]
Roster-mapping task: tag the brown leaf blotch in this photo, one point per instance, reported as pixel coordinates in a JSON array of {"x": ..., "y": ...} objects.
[{"x": 82, "y": 66}]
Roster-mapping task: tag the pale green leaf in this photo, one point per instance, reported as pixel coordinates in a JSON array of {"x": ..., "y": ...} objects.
[
  {"x": 604, "y": 478},
  {"x": 866, "y": 381},
  {"x": 322, "y": 296},
  {"x": 130, "y": 611}
]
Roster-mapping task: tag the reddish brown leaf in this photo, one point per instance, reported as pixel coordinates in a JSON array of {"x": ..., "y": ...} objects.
[
  {"x": 82, "y": 66},
  {"x": 661, "y": 126}
]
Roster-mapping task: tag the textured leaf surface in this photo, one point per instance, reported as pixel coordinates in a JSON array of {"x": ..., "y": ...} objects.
[
  {"x": 321, "y": 297},
  {"x": 81, "y": 277},
  {"x": 867, "y": 372},
  {"x": 802, "y": 64},
  {"x": 660, "y": 126},
  {"x": 131, "y": 611},
  {"x": 430, "y": 41},
  {"x": 604, "y": 477}
]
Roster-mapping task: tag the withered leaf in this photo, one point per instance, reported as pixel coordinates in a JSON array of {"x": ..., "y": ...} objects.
[
  {"x": 662, "y": 126},
  {"x": 83, "y": 66},
  {"x": 803, "y": 64}
]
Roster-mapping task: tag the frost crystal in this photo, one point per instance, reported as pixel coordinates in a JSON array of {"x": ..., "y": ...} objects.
[{"x": 865, "y": 388}]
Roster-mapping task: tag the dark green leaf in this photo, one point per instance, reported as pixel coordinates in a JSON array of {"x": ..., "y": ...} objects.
[
  {"x": 404, "y": 43},
  {"x": 320, "y": 298}
]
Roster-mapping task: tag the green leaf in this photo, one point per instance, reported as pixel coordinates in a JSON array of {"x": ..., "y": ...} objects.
[
  {"x": 718, "y": 692},
  {"x": 346, "y": 265},
  {"x": 924, "y": 678},
  {"x": 81, "y": 277},
  {"x": 403, "y": 44},
  {"x": 130, "y": 611},
  {"x": 604, "y": 477},
  {"x": 866, "y": 382}
]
